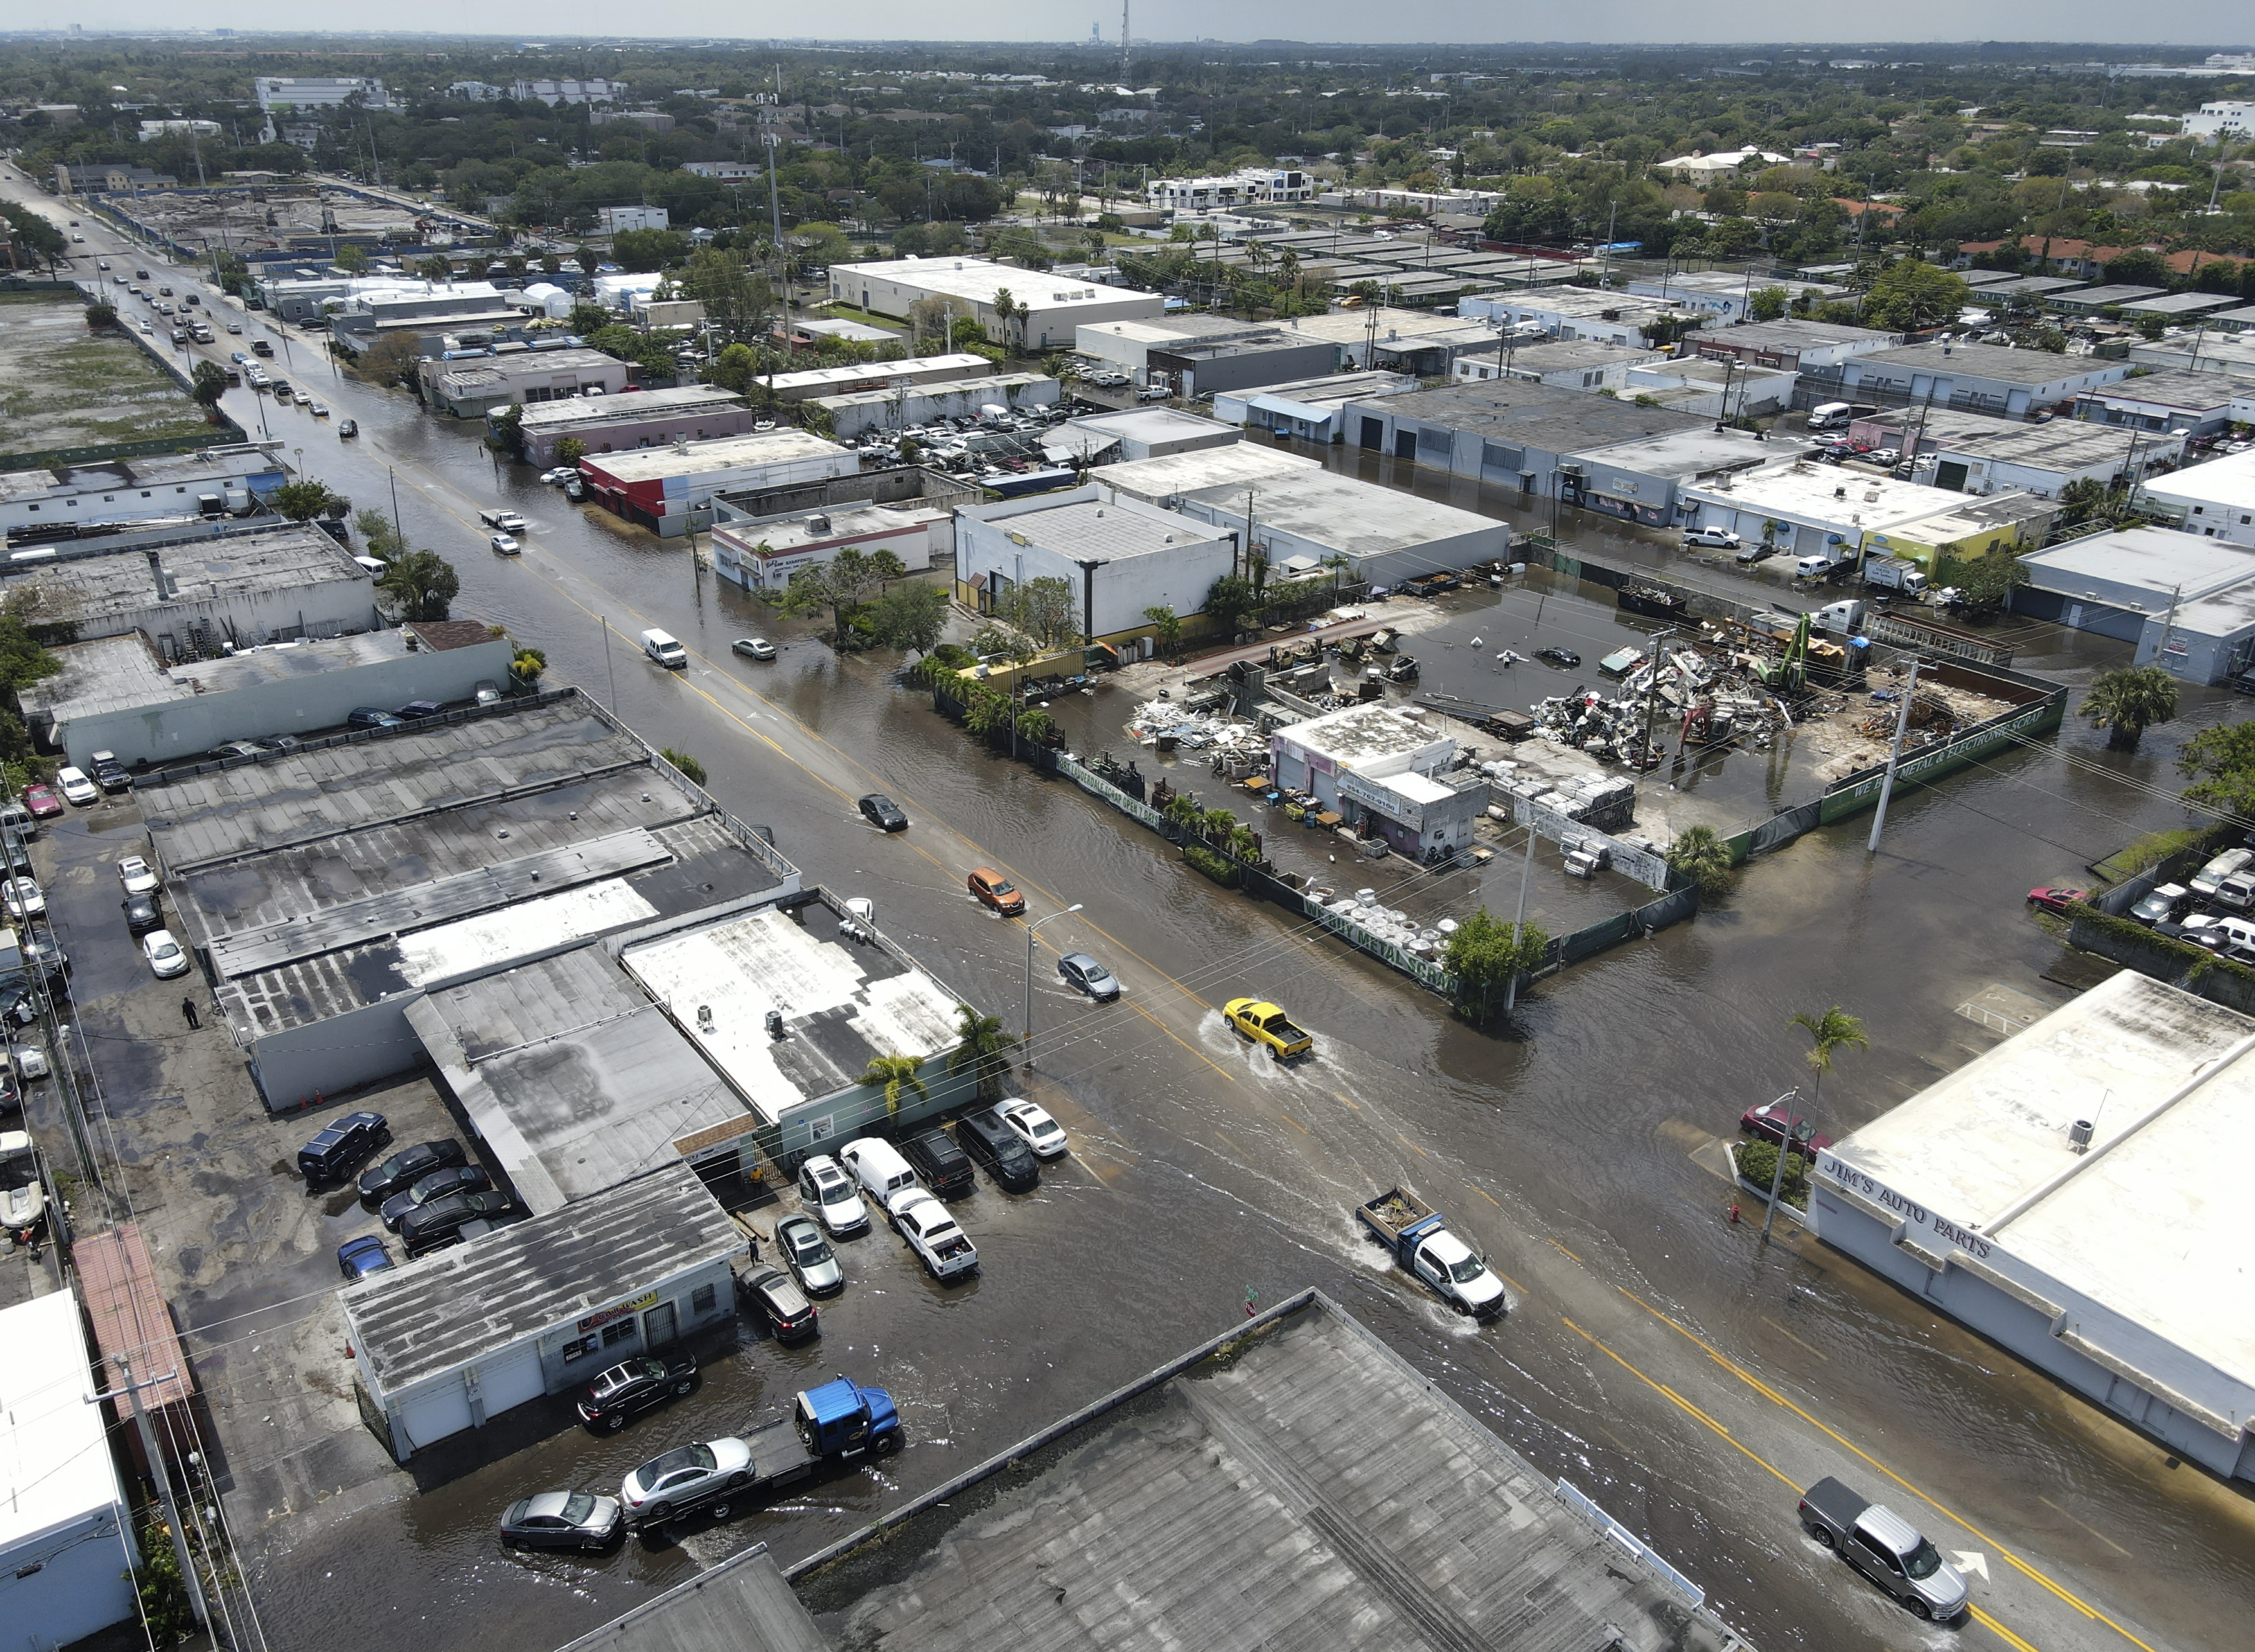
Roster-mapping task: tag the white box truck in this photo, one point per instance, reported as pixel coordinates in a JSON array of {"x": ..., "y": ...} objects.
[{"x": 1893, "y": 573}]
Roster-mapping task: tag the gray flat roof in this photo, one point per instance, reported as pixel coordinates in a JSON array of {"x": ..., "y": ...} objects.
[
  {"x": 110, "y": 673},
  {"x": 1170, "y": 473},
  {"x": 2099, "y": 297},
  {"x": 2193, "y": 392},
  {"x": 2181, "y": 304},
  {"x": 719, "y": 453},
  {"x": 1156, "y": 424},
  {"x": 1699, "y": 451},
  {"x": 1545, "y": 416},
  {"x": 573, "y": 413},
  {"x": 458, "y": 1305},
  {"x": 2061, "y": 444},
  {"x": 1354, "y": 517},
  {"x": 2029, "y": 287},
  {"x": 1791, "y": 335},
  {"x": 1984, "y": 361},
  {"x": 91, "y": 588},
  {"x": 571, "y": 1074},
  {"x": 1087, "y": 528},
  {"x": 2156, "y": 560},
  {"x": 1986, "y": 1149},
  {"x": 742, "y": 1605},
  {"x": 1305, "y": 1486}
]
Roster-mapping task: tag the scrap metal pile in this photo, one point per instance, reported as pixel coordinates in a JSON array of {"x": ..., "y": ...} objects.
[
  {"x": 1200, "y": 723},
  {"x": 1685, "y": 691}
]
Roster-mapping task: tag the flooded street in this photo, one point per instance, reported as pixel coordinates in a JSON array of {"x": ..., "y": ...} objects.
[{"x": 1203, "y": 1177}]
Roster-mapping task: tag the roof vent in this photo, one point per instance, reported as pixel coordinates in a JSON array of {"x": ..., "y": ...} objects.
[
  {"x": 818, "y": 523},
  {"x": 704, "y": 1017}
]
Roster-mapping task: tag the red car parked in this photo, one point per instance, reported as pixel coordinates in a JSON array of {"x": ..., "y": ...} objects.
[
  {"x": 2056, "y": 900},
  {"x": 42, "y": 802},
  {"x": 1768, "y": 1122}
]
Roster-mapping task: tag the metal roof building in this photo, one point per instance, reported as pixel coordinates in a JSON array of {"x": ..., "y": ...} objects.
[
  {"x": 1295, "y": 1483},
  {"x": 330, "y": 887},
  {"x": 2075, "y": 1196},
  {"x": 448, "y": 1343},
  {"x": 2188, "y": 602}
]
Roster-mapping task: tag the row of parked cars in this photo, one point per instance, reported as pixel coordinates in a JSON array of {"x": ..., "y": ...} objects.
[{"x": 431, "y": 1194}]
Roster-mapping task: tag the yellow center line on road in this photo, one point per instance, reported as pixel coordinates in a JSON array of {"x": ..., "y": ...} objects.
[
  {"x": 1763, "y": 1388},
  {"x": 1555, "y": 1246},
  {"x": 1982, "y": 1618}
]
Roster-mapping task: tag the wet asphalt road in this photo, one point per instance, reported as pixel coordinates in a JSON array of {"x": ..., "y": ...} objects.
[{"x": 1201, "y": 1174}]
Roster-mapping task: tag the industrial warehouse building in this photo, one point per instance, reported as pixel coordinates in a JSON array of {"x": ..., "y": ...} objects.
[
  {"x": 474, "y": 385},
  {"x": 117, "y": 695},
  {"x": 1295, "y": 1483},
  {"x": 328, "y": 889},
  {"x": 1050, "y": 307},
  {"x": 450, "y": 1342},
  {"x": 670, "y": 489},
  {"x": 1982, "y": 454},
  {"x": 1508, "y": 432},
  {"x": 647, "y": 419},
  {"x": 1374, "y": 761},
  {"x": 2188, "y": 602},
  {"x": 877, "y": 376},
  {"x": 1988, "y": 379},
  {"x": 195, "y": 594},
  {"x": 2075, "y": 1196},
  {"x": 72, "y": 497},
  {"x": 65, "y": 1529},
  {"x": 1812, "y": 509},
  {"x": 1119, "y": 556},
  {"x": 2215, "y": 501}
]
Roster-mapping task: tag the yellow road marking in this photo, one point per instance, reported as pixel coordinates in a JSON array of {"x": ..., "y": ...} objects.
[
  {"x": 1485, "y": 1194},
  {"x": 1411, "y": 1145},
  {"x": 2024, "y": 1567},
  {"x": 1985, "y": 1619},
  {"x": 1555, "y": 1245},
  {"x": 1297, "y": 1125}
]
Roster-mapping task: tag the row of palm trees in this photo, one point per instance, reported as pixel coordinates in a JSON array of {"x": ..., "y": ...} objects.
[{"x": 982, "y": 1050}]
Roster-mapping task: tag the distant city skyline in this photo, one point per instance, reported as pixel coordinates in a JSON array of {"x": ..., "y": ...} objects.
[{"x": 2216, "y": 25}]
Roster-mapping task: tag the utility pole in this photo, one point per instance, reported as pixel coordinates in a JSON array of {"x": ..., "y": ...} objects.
[
  {"x": 609, "y": 670},
  {"x": 1519, "y": 922},
  {"x": 773, "y": 137},
  {"x": 1895, "y": 756},
  {"x": 163, "y": 1479}
]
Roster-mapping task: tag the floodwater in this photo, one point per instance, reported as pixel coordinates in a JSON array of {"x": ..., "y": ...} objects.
[{"x": 1203, "y": 1175}]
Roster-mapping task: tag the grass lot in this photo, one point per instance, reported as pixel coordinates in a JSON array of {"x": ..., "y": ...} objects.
[{"x": 61, "y": 386}]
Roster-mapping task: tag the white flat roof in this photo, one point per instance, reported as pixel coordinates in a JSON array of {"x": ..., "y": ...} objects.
[
  {"x": 1360, "y": 733},
  {"x": 979, "y": 281},
  {"x": 1154, "y": 425},
  {"x": 1348, "y": 515},
  {"x": 964, "y": 363},
  {"x": 2153, "y": 1222},
  {"x": 54, "y": 1454},
  {"x": 2229, "y": 481},
  {"x": 721, "y": 452},
  {"x": 1826, "y": 493},
  {"x": 841, "y": 1004},
  {"x": 1171, "y": 474},
  {"x": 2155, "y": 559}
]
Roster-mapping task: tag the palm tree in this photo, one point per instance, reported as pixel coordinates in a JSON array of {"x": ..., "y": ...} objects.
[
  {"x": 1703, "y": 858},
  {"x": 1829, "y": 1031},
  {"x": 982, "y": 1050},
  {"x": 1007, "y": 310},
  {"x": 900, "y": 1075},
  {"x": 425, "y": 583},
  {"x": 2128, "y": 702}
]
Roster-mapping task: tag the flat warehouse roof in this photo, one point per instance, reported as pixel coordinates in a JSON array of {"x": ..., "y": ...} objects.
[
  {"x": 979, "y": 281},
  {"x": 843, "y": 1005},
  {"x": 721, "y": 452},
  {"x": 2229, "y": 481},
  {"x": 97, "y": 585},
  {"x": 1087, "y": 528},
  {"x": 573, "y": 412},
  {"x": 1304, "y": 1487},
  {"x": 1982, "y": 361},
  {"x": 2153, "y": 1222},
  {"x": 2156, "y": 560},
  {"x": 1360, "y": 733},
  {"x": 571, "y": 1074},
  {"x": 1354, "y": 517},
  {"x": 438, "y": 1314},
  {"x": 1792, "y": 335},
  {"x": 963, "y": 364},
  {"x": 1170, "y": 473},
  {"x": 110, "y": 673},
  {"x": 2194, "y": 392},
  {"x": 1547, "y": 417}
]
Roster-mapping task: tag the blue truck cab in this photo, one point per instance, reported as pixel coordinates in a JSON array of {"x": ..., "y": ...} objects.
[{"x": 842, "y": 1419}]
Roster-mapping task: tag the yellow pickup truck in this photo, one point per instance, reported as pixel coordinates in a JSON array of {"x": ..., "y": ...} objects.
[{"x": 1265, "y": 1023}]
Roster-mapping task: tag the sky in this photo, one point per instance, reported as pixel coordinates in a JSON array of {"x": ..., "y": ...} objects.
[{"x": 2215, "y": 24}]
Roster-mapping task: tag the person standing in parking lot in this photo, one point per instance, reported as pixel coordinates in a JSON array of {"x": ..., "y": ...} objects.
[{"x": 189, "y": 1009}]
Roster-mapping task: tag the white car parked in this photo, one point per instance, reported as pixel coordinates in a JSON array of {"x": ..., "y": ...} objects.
[
  {"x": 163, "y": 954},
  {"x": 23, "y": 898},
  {"x": 136, "y": 875},
  {"x": 77, "y": 788},
  {"x": 920, "y": 1219},
  {"x": 830, "y": 1193},
  {"x": 1035, "y": 1126}
]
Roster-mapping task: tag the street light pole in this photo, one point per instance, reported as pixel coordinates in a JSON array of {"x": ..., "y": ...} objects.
[{"x": 1027, "y": 1020}]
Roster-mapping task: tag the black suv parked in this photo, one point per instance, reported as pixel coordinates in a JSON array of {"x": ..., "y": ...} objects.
[
  {"x": 939, "y": 1164},
  {"x": 994, "y": 1144},
  {"x": 405, "y": 1168},
  {"x": 330, "y": 1156}
]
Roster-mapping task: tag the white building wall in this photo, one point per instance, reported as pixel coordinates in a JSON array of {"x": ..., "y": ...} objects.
[
  {"x": 735, "y": 561},
  {"x": 330, "y": 608},
  {"x": 124, "y": 502},
  {"x": 1177, "y": 578}
]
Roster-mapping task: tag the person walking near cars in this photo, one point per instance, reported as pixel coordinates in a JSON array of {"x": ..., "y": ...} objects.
[{"x": 189, "y": 1009}]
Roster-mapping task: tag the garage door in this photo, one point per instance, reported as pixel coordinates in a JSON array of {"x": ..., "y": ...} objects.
[
  {"x": 510, "y": 1379},
  {"x": 435, "y": 1414}
]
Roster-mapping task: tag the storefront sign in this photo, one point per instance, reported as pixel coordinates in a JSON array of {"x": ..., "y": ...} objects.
[
  {"x": 1944, "y": 1232},
  {"x": 596, "y": 1321}
]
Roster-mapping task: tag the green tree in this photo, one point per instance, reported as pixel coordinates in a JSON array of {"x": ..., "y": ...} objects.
[
  {"x": 737, "y": 368},
  {"x": 1035, "y": 726},
  {"x": 1486, "y": 960},
  {"x": 982, "y": 1049},
  {"x": 435, "y": 268},
  {"x": 1988, "y": 583},
  {"x": 843, "y": 584},
  {"x": 2126, "y": 703},
  {"x": 735, "y": 298},
  {"x": 388, "y": 361},
  {"x": 351, "y": 259},
  {"x": 1007, "y": 310},
  {"x": 305, "y": 498},
  {"x": 207, "y": 383},
  {"x": 1228, "y": 601},
  {"x": 1767, "y": 304},
  {"x": 1701, "y": 857},
  {"x": 425, "y": 583},
  {"x": 693, "y": 770},
  {"x": 647, "y": 249},
  {"x": 1044, "y": 608},
  {"x": 164, "y": 1601},
  {"x": 1166, "y": 628},
  {"x": 1829, "y": 1031},
  {"x": 2221, "y": 762},
  {"x": 570, "y": 451},
  {"x": 910, "y": 616},
  {"x": 100, "y": 316},
  {"x": 383, "y": 539},
  {"x": 1911, "y": 295},
  {"x": 900, "y": 1075},
  {"x": 23, "y": 659}
]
